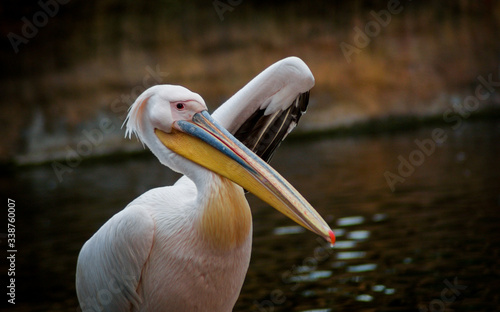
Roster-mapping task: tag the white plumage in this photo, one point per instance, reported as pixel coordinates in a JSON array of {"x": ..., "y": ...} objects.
[{"x": 187, "y": 247}]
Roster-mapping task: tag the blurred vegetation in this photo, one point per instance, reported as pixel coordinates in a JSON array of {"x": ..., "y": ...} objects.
[{"x": 92, "y": 53}]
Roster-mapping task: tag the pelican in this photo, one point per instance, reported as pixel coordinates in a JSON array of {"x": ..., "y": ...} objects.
[{"x": 186, "y": 247}]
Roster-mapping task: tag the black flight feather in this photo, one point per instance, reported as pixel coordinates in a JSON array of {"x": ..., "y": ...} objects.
[{"x": 263, "y": 134}]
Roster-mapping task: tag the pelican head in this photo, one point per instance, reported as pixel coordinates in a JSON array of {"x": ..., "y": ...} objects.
[{"x": 174, "y": 123}]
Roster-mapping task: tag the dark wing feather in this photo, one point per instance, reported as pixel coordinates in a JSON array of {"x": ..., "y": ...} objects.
[{"x": 263, "y": 134}]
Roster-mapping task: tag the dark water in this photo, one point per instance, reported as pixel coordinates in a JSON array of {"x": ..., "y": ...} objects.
[{"x": 431, "y": 245}]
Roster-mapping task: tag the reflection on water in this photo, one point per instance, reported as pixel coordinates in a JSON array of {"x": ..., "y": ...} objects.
[
  {"x": 350, "y": 254},
  {"x": 285, "y": 230},
  {"x": 358, "y": 235},
  {"x": 396, "y": 251},
  {"x": 362, "y": 267},
  {"x": 346, "y": 221}
]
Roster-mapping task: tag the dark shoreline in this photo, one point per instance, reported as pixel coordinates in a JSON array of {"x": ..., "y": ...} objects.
[{"x": 386, "y": 126}]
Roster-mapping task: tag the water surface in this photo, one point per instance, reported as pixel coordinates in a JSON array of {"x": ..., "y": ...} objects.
[{"x": 395, "y": 251}]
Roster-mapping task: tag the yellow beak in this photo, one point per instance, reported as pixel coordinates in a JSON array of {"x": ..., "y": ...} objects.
[{"x": 204, "y": 142}]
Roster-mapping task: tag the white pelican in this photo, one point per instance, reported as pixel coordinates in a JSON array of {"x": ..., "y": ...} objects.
[{"x": 187, "y": 247}]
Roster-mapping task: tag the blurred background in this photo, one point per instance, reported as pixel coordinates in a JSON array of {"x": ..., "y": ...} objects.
[
  {"x": 92, "y": 58},
  {"x": 387, "y": 73}
]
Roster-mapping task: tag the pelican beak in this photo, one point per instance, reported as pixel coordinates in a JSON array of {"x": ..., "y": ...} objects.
[{"x": 204, "y": 142}]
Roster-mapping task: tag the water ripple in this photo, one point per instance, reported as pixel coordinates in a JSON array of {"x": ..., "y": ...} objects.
[
  {"x": 286, "y": 230},
  {"x": 362, "y": 267},
  {"x": 349, "y": 221},
  {"x": 358, "y": 235}
]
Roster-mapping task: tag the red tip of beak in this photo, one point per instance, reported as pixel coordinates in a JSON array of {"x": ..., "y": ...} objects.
[{"x": 332, "y": 237}]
